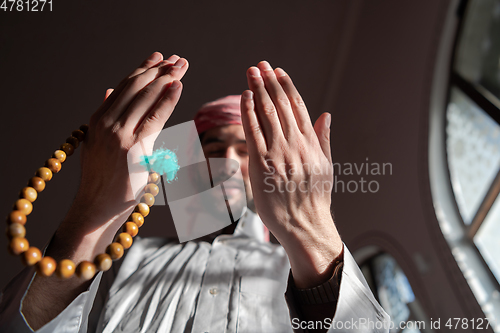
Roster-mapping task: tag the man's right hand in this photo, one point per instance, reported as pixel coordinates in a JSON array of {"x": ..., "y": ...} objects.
[{"x": 137, "y": 109}]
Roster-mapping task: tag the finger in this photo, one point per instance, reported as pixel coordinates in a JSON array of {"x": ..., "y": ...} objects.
[
  {"x": 256, "y": 142},
  {"x": 108, "y": 92},
  {"x": 158, "y": 116},
  {"x": 264, "y": 106},
  {"x": 298, "y": 105},
  {"x": 122, "y": 105},
  {"x": 150, "y": 62},
  {"x": 279, "y": 98},
  {"x": 151, "y": 94},
  {"x": 322, "y": 129}
]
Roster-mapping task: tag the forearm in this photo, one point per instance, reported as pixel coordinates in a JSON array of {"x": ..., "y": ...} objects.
[{"x": 49, "y": 296}]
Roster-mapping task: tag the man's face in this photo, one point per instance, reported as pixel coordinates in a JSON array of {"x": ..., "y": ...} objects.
[{"x": 229, "y": 142}]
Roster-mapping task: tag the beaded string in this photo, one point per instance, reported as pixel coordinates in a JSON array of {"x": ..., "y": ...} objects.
[{"x": 66, "y": 268}]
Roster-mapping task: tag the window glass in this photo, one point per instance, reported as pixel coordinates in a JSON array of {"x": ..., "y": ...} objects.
[
  {"x": 478, "y": 53},
  {"x": 394, "y": 293},
  {"x": 473, "y": 148},
  {"x": 487, "y": 239}
]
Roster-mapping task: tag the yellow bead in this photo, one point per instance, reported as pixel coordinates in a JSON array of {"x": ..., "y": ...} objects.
[
  {"x": 44, "y": 173},
  {"x": 46, "y": 266},
  {"x": 73, "y": 141},
  {"x": 153, "y": 189},
  {"x": 103, "y": 262},
  {"x": 131, "y": 228},
  {"x": 84, "y": 128},
  {"x": 78, "y": 134},
  {"x": 60, "y": 155},
  {"x": 115, "y": 250},
  {"x": 18, "y": 245},
  {"x": 67, "y": 148},
  {"x": 143, "y": 209},
  {"x": 148, "y": 199},
  {"x": 37, "y": 183},
  {"x": 17, "y": 217},
  {"x": 85, "y": 270},
  {"x": 65, "y": 269},
  {"x": 137, "y": 218},
  {"x": 29, "y": 193},
  {"x": 16, "y": 230},
  {"x": 124, "y": 239},
  {"x": 24, "y": 206},
  {"x": 31, "y": 256},
  {"x": 53, "y": 164},
  {"x": 153, "y": 178}
]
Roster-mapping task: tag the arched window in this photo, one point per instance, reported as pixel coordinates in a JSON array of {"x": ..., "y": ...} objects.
[
  {"x": 394, "y": 293},
  {"x": 464, "y": 153}
]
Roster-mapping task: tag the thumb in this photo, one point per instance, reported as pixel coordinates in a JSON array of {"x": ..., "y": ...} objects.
[
  {"x": 322, "y": 129},
  {"x": 108, "y": 92}
]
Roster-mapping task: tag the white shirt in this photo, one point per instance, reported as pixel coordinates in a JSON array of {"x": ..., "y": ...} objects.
[{"x": 235, "y": 284}]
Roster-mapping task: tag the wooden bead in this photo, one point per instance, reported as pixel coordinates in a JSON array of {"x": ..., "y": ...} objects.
[
  {"x": 143, "y": 209},
  {"x": 37, "y": 183},
  {"x": 18, "y": 245},
  {"x": 24, "y": 206},
  {"x": 29, "y": 193},
  {"x": 124, "y": 239},
  {"x": 31, "y": 256},
  {"x": 67, "y": 148},
  {"x": 130, "y": 228},
  {"x": 78, "y": 134},
  {"x": 16, "y": 230},
  {"x": 17, "y": 217},
  {"x": 115, "y": 250},
  {"x": 59, "y": 155},
  {"x": 85, "y": 270},
  {"x": 53, "y": 164},
  {"x": 84, "y": 128},
  {"x": 46, "y": 266},
  {"x": 65, "y": 269},
  {"x": 153, "y": 178},
  {"x": 103, "y": 262},
  {"x": 137, "y": 218},
  {"x": 73, "y": 141},
  {"x": 148, "y": 199},
  {"x": 153, "y": 189},
  {"x": 44, "y": 173}
]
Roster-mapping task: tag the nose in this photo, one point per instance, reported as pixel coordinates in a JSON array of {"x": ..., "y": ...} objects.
[{"x": 229, "y": 162}]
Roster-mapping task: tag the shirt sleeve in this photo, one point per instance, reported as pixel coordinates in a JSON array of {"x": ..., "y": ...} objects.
[
  {"x": 73, "y": 319},
  {"x": 357, "y": 310}
]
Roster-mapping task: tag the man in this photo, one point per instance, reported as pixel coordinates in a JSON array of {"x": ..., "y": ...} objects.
[{"x": 235, "y": 283}]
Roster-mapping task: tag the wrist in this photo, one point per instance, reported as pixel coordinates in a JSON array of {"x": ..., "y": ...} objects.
[{"x": 313, "y": 253}]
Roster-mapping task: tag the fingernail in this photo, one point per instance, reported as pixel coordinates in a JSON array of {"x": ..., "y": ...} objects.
[
  {"x": 328, "y": 120},
  {"x": 155, "y": 57},
  {"x": 280, "y": 72},
  {"x": 254, "y": 71},
  {"x": 180, "y": 63},
  {"x": 247, "y": 94},
  {"x": 266, "y": 66},
  {"x": 174, "y": 85},
  {"x": 173, "y": 58}
]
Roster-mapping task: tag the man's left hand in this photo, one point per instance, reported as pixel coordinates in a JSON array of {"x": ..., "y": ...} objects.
[{"x": 291, "y": 173}]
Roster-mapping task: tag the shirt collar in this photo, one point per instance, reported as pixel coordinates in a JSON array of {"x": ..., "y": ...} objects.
[{"x": 250, "y": 225}]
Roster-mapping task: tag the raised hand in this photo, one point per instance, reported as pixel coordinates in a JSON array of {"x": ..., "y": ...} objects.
[
  {"x": 138, "y": 108},
  {"x": 291, "y": 172}
]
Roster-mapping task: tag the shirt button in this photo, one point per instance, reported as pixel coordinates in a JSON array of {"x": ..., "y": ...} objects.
[{"x": 213, "y": 291}]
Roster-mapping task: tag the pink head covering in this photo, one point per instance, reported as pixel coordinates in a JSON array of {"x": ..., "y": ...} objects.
[{"x": 221, "y": 112}]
